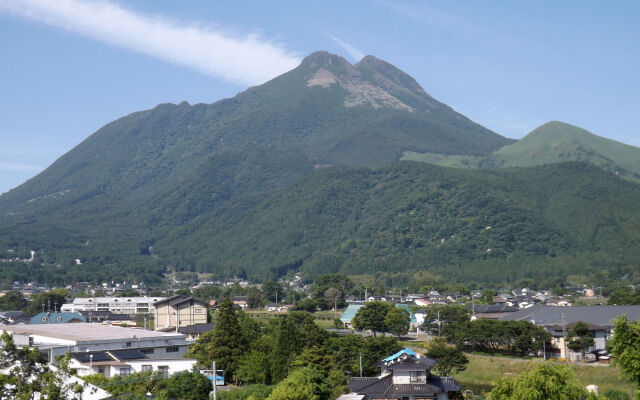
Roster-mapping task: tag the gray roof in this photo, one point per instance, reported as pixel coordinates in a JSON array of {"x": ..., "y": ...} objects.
[
  {"x": 196, "y": 329},
  {"x": 493, "y": 308},
  {"x": 551, "y": 315}
]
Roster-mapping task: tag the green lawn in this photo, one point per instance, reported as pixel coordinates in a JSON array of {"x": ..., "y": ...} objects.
[{"x": 482, "y": 371}]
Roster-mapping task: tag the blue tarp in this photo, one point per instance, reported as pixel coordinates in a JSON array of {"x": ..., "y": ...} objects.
[{"x": 401, "y": 352}]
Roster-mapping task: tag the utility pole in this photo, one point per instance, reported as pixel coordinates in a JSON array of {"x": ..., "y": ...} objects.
[
  {"x": 215, "y": 380},
  {"x": 564, "y": 334},
  {"x": 361, "y": 364}
]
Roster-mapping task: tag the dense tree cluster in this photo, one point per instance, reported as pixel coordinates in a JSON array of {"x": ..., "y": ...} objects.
[
  {"x": 511, "y": 337},
  {"x": 291, "y": 352}
]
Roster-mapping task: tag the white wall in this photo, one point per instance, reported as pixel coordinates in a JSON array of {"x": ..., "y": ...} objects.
[{"x": 184, "y": 364}]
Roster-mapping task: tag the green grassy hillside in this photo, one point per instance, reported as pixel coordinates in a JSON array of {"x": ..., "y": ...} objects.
[{"x": 552, "y": 142}]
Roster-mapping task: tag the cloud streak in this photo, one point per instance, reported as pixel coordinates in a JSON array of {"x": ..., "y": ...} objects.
[
  {"x": 15, "y": 166},
  {"x": 242, "y": 60},
  {"x": 353, "y": 52}
]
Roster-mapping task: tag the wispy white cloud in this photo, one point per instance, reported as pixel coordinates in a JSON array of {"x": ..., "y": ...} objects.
[
  {"x": 353, "y": 52},
  {"x": 249, "y": 59},
  {"x": 16, "y": 166}
]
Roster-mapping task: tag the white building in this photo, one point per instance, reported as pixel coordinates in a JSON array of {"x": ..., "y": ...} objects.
[
  {"x": 116, "y": 305},
  {"x": 131, "y": 349}
]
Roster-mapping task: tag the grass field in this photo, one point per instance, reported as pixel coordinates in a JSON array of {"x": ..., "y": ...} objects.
[{"x": 482, "y": 371}]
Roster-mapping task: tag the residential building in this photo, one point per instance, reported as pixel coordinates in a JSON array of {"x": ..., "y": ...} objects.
[
  {"x": 179, "y": 311},
  {"x": 404, "y": 376},
  {"x": 193, "y": 332},
  {"x": 124, "y": 363},
  {"x": 559, "y": 320},
  {"x": 117, "y": 305},
  {"x": 56, "y": 339}
]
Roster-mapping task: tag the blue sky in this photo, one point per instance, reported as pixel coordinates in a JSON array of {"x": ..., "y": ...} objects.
[{"x": 67, "y": 67}]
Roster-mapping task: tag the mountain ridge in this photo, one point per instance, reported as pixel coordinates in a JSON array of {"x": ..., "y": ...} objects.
[
  {"x": 552, "y": 142},
  {"x": 165, "y": 188}
]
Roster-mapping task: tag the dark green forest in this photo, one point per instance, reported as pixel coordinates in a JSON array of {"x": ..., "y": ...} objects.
[{"x": 293, "y": 176}]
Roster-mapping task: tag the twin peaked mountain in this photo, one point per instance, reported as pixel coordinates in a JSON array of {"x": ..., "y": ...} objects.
[{"x": 276, "y": 179}]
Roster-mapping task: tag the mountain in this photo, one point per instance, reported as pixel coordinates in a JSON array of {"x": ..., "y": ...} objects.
[
  {"x": 460, "y": 224},
  {"x": 552, "y": 142},
  {"x": 248, "y": 186}
]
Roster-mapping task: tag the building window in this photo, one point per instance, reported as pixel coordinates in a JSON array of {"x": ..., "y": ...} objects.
[
  {"x": 128, "y": 344},
  {"x": 125, "y": 371},
  {"x": 147, "y": 368},
  {"x": 172, "y": 349},
  {"x": 101, "y": 370},
  {"x": 417, "y": 376},
  {"x": 146, "y": 351},
  {"x": 164, "y": 370}
]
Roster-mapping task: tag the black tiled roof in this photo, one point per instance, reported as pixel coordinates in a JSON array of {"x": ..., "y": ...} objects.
[
  {"x": 447, "y": 384},
  {"x": 196, "y": 329},
  {"x": 356, "y": 384},
  {"x": 127, "y": 354},
  {"x": 97, "y": 356},
  {"x": 412, "y": 364},
  {"x": 413, "y": 388}
]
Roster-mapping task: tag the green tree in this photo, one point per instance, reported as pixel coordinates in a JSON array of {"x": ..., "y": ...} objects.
[
  {"x": 286, "y": 346},
  {"x": 545, "y": 381},
  {"x": 253, "y": 367},
  {"x": 25, "y": 375},
  {"x": 579, "y": 338},
  {"x": 440, "y": 315},
  {"x": 371, "y": 316},
  {"x": 270, "y": 288},
  {"x": 223, "y": 344},
  {"x": 331, "y": 288},
  {"x": 13, "y": 301},
  {"x": 53, "y": 300},
  {"x": 302, "y": 384},
  {"x": 451, "y": 360},
  {"x": 188, "y": 385},
  {"x": 625, "y": 348},
  {"x": 397, "y": 321}
]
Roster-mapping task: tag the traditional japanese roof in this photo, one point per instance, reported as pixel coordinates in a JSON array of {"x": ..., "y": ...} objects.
[
  {"x": 446, "y": 383},
  {"x": 412, "y": 364},
  {"x": 385, "y": 386},
  {"x": 196, "y": 329},
  {"x": 596, "y": 315}
]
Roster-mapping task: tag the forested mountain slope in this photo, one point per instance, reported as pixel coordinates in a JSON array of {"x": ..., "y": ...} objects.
[{"x": 301, "y": 173}]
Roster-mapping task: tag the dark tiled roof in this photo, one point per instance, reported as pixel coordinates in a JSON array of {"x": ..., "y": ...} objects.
[
  {"x": 412, "y": 364},
  {"x": 196, "y": 329},
  {"x": 447, "y": 384},
  {"x": 385, "y": 386},
  {"x": 493, "y": 308},
  {"x": 127, "y": 354},
  {"x": 376, "y": 386},
  {"x": 551, "y": 315},
  {"x": 356, "y": 384},
  {"x": 97, "y": 356},
  {"x": 413, "y": 388}
]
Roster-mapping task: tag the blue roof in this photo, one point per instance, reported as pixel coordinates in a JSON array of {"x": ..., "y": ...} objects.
[
  {"x": 352, "y": 309},
  {"x": 56, "y": 318},
  {"x": 350, "y": 312},
  {"x": 401, "y": 352},
  {"x": 408, "y": 309}
]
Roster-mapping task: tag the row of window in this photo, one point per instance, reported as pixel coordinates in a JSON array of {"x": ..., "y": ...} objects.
[{"x": 126, "y": 371}]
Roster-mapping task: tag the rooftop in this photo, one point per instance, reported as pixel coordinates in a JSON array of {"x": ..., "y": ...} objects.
[
  {"x": 551, "y": 315},
  {"x": 80, "y": 332}
]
